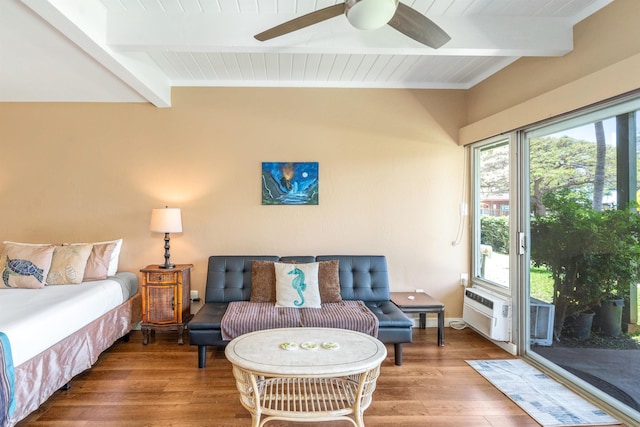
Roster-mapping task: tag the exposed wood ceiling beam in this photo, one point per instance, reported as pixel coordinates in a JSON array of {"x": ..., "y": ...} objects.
[
  {"x": 214, "y": 32},
  {"x": 84, "y": 23}
]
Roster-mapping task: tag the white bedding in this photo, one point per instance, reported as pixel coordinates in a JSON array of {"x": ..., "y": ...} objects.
[{"x": 36, "y": 319}]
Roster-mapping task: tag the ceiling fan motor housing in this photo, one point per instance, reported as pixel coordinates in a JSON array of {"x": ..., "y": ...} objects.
[{"x": 370, "y": 14}]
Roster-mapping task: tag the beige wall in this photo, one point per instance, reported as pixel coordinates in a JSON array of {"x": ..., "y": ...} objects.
[
  {"x": 603, "y": 64},
  {"x": 390, "y": 177},
  {"x": 390, "y": 171}
]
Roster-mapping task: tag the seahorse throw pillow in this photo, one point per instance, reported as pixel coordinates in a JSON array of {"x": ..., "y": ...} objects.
[
  {"x": 25, "y": 266},
  {"x": 297, "y": 285}
]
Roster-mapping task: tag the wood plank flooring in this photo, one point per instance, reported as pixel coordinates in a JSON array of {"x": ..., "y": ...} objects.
[{"x": 160, "y": 385}]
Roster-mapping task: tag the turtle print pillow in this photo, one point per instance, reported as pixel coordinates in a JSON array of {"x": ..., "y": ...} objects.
[
  {"x": 297, "y": 285},
  {"x": 25, "y": 266}
]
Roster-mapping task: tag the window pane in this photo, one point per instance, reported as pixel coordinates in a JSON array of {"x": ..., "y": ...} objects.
[{"x": 492, "y": 258}]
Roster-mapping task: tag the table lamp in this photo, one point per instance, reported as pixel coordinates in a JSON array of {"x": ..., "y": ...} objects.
[{"x": 166, "y": 220}]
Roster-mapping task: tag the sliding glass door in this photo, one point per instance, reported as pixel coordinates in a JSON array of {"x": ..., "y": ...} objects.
[
  {"x": 556, "y": 226},
  {"x": 584, "y": 230}
]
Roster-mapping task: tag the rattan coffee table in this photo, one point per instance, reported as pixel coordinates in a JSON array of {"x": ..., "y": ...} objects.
[{"x": 306, "y": 374}]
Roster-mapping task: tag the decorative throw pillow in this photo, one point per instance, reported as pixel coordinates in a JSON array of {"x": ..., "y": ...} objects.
[
  {"x": 297, "y": 285},
  {"x": 329, "y": 281},
  {"x": 3, "y": 258},
  {"x": 68, "y": 264},
  {"x": 263, "y": 281},
  {"x": 114, "y": 256},
  {"x": 98, "y": 263},
  {"x": 26, "y": 266}
]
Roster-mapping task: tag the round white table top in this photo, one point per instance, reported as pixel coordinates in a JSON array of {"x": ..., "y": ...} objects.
[{"x": 310, "y": 352}]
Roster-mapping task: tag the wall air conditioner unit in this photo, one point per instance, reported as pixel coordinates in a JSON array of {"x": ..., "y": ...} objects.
[
  {"x": 541, "y": 322},
  {"x": 488, "y": 313}
]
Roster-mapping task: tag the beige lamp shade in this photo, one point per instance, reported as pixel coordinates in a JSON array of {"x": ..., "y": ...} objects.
[{"x": 166, "y": 220}]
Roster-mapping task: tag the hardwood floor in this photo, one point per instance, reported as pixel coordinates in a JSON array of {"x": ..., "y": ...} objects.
[{"x": 160, "y": 385}]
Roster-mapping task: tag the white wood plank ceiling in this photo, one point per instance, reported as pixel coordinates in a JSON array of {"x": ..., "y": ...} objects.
[{"x": 136, "y": 50}]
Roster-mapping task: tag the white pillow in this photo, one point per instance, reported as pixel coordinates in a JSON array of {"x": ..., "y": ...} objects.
[{"x": 297, "y": 285}]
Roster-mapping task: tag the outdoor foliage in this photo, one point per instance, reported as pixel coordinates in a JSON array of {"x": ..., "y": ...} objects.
[
  {"x": 591, "y": 255},
  {"x": 567, "y": 163},
  {"x": 495, "y": 233}
]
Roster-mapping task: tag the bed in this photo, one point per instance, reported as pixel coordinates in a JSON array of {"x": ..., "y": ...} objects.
[
  {"x": 69, "y": 326},
  {"x": 50, "y": 334}
]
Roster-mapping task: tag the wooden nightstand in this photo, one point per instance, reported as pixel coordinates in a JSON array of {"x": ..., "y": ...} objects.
[{"x": 166, "y": 303}]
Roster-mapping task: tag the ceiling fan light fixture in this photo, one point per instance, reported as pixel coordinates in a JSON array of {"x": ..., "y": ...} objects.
[{"x": 370, "y": 14}]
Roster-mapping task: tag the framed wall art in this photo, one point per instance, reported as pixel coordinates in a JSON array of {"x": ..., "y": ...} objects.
[{"x": 290, "y": 183}]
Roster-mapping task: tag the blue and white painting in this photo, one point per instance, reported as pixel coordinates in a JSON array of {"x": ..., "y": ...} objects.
[{"x": 290, "y": 183}]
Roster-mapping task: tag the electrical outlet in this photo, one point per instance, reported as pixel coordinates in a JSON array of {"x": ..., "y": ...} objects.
[
  {"x": 194, "y": 295},
  {"x": 464, "y": 279},
  {"x": 420, "y": 290}
]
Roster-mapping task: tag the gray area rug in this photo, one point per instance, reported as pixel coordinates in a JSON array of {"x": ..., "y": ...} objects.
[{"x": 544, "y": 399}]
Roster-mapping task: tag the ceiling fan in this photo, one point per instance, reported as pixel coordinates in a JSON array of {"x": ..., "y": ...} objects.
[{"x": 369, "y": 15}]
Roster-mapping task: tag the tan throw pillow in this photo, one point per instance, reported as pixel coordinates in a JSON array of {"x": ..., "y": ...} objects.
[
  {"x": 297, "y": 285},
  {"x": 26, "y": 266},
  {"x": 263, "y": 281},
  {"x": 98, "y": 263},
  {"x": 329, "y": 281},
  {"x": 114, "y": 256},
  {"x": 68, "y": 264}
]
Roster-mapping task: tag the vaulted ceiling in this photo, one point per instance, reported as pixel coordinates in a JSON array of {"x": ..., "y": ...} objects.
[{"x": 137, "y": 50}]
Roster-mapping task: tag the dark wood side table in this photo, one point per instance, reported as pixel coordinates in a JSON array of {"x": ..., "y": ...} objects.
[
  {"x": 421, "y": 303},
  {"x": 166, "y": 303}
]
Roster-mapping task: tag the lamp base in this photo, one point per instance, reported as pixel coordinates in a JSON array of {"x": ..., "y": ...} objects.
[
  {"x": 167, "y": 266},
  {"x": 167, "y": 256}
]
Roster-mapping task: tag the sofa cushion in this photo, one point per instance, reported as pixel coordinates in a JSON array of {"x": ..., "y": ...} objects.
[
  {"x": 297, "y": 285},
  {"x": 328, "y": 276},
  {"x": 263, "y": 281},
  {"x": 329, "y": 281}
]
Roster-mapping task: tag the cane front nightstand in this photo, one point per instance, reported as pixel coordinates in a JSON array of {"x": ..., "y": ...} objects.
[{"x": 166, "y": 303}]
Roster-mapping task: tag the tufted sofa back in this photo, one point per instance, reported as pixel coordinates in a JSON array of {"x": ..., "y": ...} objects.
[
  {"x": 229, "y": 277},
  {"x": 362, "y": 277}
]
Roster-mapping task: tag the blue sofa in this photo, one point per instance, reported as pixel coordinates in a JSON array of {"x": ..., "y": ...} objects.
[{"x": 362, "y": 277}]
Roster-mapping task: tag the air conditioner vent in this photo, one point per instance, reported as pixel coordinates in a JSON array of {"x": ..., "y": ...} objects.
[
  {"x": 488, "y": 313},
  {"x": 479, "y": 298}
]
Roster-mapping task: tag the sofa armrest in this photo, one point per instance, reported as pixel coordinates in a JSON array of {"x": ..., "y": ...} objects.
[{"x": 209, "y": 316}]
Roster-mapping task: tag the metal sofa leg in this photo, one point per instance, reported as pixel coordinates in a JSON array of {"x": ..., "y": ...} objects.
[
  {"x": 202, "y": 356},
  {"x": 397, "y": 349}
]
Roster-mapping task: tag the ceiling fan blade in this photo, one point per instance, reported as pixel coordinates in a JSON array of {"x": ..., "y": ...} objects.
[
  {"x": 413, "y": 24},
  {"x": 302, "y": 21}
]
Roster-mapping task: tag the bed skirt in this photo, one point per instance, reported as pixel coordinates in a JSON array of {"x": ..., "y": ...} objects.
[{"x": 38, "y": 378}]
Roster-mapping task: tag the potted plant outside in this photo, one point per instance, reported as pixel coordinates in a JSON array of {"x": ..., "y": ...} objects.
[{"x": 591, "y": 255}]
